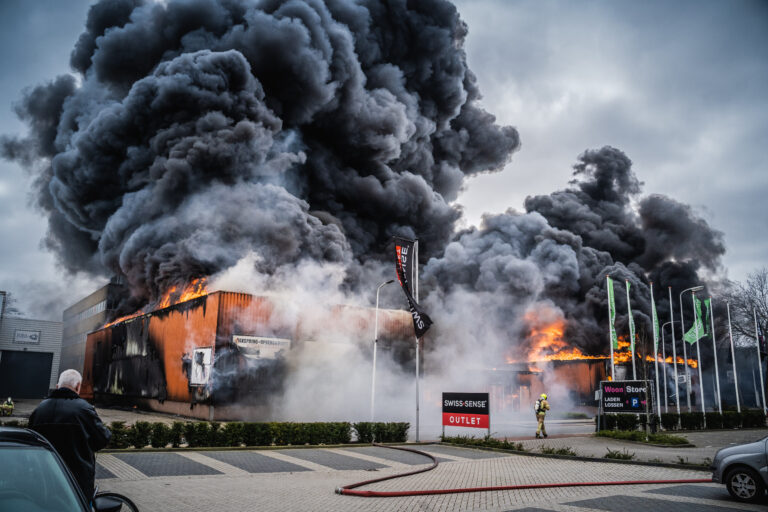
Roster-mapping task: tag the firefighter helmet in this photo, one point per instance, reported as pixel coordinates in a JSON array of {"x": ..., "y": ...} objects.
[{"x": 544, "y": 396}]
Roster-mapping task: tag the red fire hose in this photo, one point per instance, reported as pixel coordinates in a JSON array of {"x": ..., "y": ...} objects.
[{"x": 348, "y": 489}]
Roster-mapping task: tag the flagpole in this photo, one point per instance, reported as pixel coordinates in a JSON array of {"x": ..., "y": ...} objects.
[
  {"x": 714, "y": 351},
  {"x": 631, "y": 332},
  {"x": 655, "y": 329},
  {"x": 698, "y": 354},
  {"x": 685, "y": 351},
  {"x": 759, "y": 361},
  {"x": 733, "y": 359},
  {"x": 610, "y": 321},
  {"x": 664, "y": 366},
  {"x": 416, "y": 289},
  {"x": 674, "y": 349}
]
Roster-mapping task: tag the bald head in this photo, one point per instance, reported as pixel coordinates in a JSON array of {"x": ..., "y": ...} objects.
[{"x": 70, "y": 379}]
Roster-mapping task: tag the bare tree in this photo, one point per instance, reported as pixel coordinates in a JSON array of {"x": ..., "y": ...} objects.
[{"x": 746, "y": 298}]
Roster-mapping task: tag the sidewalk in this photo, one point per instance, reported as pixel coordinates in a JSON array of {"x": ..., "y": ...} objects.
[{"x": 706, "y": 444}]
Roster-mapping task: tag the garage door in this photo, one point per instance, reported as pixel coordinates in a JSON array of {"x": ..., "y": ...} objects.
[{"x": 25, "y": 374}]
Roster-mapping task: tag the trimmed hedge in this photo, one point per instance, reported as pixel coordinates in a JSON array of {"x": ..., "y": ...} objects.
[
  {"x": 213, "y": 434},
  {"x": 750, "y": 418}
]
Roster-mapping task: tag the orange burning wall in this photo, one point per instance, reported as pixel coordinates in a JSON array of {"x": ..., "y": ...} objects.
[{"x": 147, "y": 357}]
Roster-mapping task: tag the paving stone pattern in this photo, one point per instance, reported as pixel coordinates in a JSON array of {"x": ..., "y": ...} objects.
[
  {"x": 244, "y": 483},
  {"x": 332, "y": 460},
  {"x": 620, "y": 503},
  {"x": 165, "y": 464},
  {"x": 102, "y": 472},
  {"x": 465, "y": 453},
  {"x": 695, "y": 491},
  {"x": 413, "y": 459},
  {"x": 254, "y": 462}
]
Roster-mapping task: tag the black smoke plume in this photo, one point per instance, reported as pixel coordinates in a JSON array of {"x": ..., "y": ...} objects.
[
  {"x": 196, "y": 132},
  {"x": 548, "y": 265}
]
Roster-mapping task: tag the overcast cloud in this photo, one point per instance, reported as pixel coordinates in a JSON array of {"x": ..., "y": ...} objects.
[{"x": 680, "y": 88}]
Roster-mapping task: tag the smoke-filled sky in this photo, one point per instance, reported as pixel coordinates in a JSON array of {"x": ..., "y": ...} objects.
[{"x": 327, "y": 136}]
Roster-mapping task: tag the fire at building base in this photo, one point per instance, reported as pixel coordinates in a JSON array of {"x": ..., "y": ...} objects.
[{"x": 220, "y": 356}]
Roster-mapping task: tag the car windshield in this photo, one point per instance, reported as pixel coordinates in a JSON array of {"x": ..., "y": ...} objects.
[{"x": 32, "y": 480}]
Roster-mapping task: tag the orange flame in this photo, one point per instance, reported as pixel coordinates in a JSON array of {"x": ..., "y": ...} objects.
[{"x": 195, "y": 289}]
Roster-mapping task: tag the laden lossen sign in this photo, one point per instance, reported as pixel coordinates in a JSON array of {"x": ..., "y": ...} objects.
[
  {"x": 466, "y": 410},
  {"x": 626, "y": 395}
]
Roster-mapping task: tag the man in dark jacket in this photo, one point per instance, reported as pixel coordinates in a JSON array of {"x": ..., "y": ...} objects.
[{"x": 72, "y": 426}]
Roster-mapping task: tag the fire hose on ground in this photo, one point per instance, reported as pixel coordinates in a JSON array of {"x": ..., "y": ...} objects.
[{"x": 348, "y": 490}]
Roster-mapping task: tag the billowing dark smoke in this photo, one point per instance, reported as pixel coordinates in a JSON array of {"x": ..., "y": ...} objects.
[
  {"x": 198, "y": 132},
  {"x": 524, "y": 270}
]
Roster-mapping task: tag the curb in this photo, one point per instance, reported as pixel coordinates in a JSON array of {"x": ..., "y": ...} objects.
[
  {"x": 692, "y": 467},
  {"x": 150, "y": 449}
]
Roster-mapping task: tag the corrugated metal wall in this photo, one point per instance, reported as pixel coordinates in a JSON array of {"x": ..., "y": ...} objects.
[
  {"x": 149, "y": 356},
  {"x": 50, "y": 340}
]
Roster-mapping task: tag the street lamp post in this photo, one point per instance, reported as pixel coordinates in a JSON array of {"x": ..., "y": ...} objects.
[
  {"x": 375, "y": 345},
  {"x": 685, "y": 352}
]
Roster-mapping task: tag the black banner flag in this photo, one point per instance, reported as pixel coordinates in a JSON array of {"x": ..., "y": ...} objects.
[{"x": 404, "y": 264}]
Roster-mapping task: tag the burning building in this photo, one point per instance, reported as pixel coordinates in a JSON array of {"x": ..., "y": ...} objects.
[{"x": 222, "y": 355}]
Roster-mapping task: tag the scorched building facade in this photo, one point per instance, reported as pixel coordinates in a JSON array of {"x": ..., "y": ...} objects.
[{"x": 219, "y": 356}]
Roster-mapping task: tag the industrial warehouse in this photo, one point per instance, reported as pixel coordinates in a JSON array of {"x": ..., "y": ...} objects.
[{"x": 218, "y": 356}]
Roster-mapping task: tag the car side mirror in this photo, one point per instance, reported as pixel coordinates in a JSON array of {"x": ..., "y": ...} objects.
[{"x": 106, "y": 504}]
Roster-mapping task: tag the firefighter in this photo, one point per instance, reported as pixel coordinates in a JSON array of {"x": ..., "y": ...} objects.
[
  {"x": 541, "y": 408},
  {"x": 7, "y": 407}
]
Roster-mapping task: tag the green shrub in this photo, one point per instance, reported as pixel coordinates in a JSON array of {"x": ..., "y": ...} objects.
[
  {"x": 564, "y": 450},
  {"x": 669, "y": 420},
  {"x": 197, "y": 434},
  {"x": 160, "y": 435},
  {"x": 119, "y": 437},
  {"x": 175, "y": 434},
  {"x": 607, "y": 422},
  {"x": 140, "y": 433},
  {"x": 752, "y": 418},
  {"x": 232, "y": 434},
  {"x": 731, "y": 419},
  {"x": 627, "y": 421},
  {"x": 621, "y": 455},
  {"x": 714, "y": 420},
  {"x": 486, "y": 441},
  {"x": 287, "y": 433},
  {"x": 216, "y": 436},
  {"x": 364, "y": 431},
  {"x": 339, "y": 432},
  {"x": 189, "y": 433},
  {"x": 257, "y": 434},
  {"x": 692, "y": 420},
  {"x": 667, "y": 439}
]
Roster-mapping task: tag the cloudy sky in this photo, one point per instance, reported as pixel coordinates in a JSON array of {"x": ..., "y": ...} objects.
[{"x": 680, "y": 87}]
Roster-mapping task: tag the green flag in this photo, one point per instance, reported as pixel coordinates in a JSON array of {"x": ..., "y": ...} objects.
[
  {"x": 655, "y": 319},
  {"x": 612, "y": 313},
  {"x": 697, "y": 330},
  {"x": 631, "y": 323},
  {"x": 706, "y": 318}
]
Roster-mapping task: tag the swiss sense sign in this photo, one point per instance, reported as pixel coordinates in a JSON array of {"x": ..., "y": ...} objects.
[{"x": 466, "y": 410}]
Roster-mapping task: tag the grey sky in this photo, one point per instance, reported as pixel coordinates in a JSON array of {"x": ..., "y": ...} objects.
[{"x": 680, "y": 87}]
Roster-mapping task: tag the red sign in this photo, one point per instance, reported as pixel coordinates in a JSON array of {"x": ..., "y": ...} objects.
[{"x": 455, "y": 419}]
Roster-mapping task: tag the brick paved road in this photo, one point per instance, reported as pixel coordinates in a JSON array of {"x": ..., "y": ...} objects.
[{"x": 305, "y": 479}]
